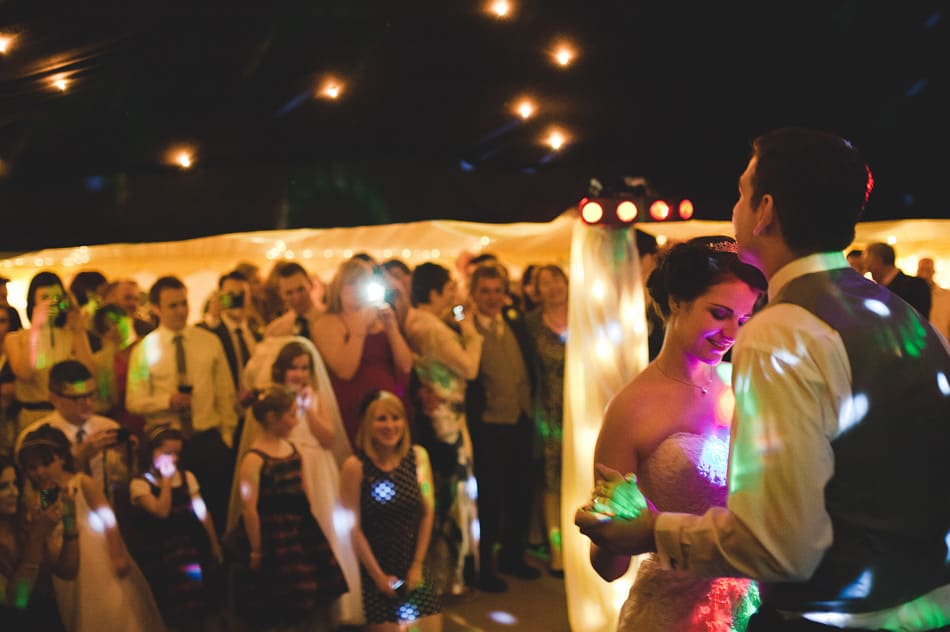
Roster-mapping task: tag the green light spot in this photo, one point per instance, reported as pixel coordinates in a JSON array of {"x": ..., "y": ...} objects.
[
  {"x": 625, "y": 501},
  {"x": 556, "y": 538},
  {"x": 746, "y": 607}
]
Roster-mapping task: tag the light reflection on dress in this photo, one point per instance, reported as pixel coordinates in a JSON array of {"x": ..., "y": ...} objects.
[{"x": 686, "y": 474}]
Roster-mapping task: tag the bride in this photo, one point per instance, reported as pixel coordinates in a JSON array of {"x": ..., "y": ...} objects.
[{"x": 670, "y": 427}]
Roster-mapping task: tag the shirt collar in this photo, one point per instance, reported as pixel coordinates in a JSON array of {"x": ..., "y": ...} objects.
[
  {"x": 818, "y": 262},
  {"x": 231, "y": 323}
]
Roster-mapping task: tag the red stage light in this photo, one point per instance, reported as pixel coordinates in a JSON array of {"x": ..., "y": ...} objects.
[
  {"x": 686, "y": 209},
  {"x": 659, "y": 210},
  {"x": 627, "y": 211},
  {"x": 591, "y": 212}
]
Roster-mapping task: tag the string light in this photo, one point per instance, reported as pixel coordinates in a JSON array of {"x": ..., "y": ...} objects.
[
  {"x": 556, "y": 139},
  {"x": 331, "y": 88},
  {"x": 526, "y": 108},
  {"x": 563, "y": 54},
  {"x": 500, "y": 8},
  {"x": 60, "y": 82}
]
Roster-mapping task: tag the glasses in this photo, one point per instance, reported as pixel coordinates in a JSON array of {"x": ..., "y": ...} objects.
[{"x": 76, "y": 398}]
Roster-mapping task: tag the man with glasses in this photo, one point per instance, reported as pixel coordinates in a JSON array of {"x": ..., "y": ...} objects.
[{"x": 71, "y": 392}]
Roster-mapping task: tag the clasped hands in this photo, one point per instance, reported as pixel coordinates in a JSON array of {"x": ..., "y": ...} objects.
[{"x": 618, "y": 518}]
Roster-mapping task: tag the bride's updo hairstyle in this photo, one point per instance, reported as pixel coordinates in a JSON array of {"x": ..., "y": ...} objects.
[{"x": 689, "y": 269}]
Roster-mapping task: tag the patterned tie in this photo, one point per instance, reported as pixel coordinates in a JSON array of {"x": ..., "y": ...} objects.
[
  {"x": 182, "y": 367},
  {"x": 302, "y": 327},
  {"x": 242, "y": 348}
]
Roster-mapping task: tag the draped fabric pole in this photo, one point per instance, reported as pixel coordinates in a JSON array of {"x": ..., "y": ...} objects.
[{"x": 606, "y": 348}]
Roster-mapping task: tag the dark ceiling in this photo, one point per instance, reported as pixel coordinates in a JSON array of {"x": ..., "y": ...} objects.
[{"x": 424, "y": 129}]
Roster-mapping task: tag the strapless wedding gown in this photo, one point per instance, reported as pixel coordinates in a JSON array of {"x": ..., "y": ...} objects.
[{"x": 686, "y": 474}]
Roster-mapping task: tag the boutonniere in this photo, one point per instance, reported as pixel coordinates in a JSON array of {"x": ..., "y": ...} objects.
[{"x": 511, "y": 313}]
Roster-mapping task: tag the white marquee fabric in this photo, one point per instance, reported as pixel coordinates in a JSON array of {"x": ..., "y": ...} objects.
[{"x": 200, "y": 261}]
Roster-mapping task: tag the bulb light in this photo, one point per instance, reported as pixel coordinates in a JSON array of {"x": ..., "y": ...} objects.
[
  {"x": 592, "y": 212},
  {"x": 659, "y": 210},
  {"x": 686, "y": 209},
  {"x": 627, "y": 211}
]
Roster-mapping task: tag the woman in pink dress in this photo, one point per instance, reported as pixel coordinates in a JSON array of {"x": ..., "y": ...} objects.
[{"x": 360, "y": 341}]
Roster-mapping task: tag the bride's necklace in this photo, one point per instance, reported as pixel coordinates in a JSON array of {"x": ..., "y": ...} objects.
[{"x": 704, "y": 389}]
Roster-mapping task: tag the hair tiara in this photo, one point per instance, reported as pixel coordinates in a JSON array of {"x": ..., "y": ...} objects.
[{"x": 723, "y": 246}]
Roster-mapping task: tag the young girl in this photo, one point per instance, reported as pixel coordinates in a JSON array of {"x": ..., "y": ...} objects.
[
  {"x": 109, "y": 592},
  {"x": 388, "y": 487},
  {"x": 178, "y": 543},
  {"x": 320, "y": 439},
  {"x": 292, "y": 576}
]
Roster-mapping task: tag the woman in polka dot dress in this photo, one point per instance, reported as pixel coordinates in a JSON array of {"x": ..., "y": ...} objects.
[{"x": 388, "y": 487}]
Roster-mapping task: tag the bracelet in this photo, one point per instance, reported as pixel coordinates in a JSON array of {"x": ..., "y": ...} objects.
[{"x": 70, "y": 536}]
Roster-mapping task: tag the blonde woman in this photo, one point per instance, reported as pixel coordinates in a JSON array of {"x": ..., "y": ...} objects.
[
  {"x": 360, "y": 341},
  {"x": 388, "y": 487}
]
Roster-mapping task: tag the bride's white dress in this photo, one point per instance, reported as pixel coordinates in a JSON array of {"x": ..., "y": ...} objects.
[
  {"x": 96, "y": 600},
  {"x": 686, "y": 474}
]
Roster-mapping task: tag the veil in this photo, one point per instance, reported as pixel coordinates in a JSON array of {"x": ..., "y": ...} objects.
[{"x": 257, "y": 375}]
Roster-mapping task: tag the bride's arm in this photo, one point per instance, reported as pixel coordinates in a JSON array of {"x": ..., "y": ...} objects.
[{"x": 616, "y": 448}]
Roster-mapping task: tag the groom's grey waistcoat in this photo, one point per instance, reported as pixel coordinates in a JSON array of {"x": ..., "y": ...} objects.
[{"x": 888, "y": 499}]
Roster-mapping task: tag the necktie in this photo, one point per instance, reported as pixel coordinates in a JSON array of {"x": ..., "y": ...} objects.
[
  {"x": 302, "y": 327},
  {"x": 183, "y": 384},
  {"x": 242, "y": 348},
  {"x": 80, "y": 435}
]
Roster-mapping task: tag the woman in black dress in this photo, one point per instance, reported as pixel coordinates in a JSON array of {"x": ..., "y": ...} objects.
[{"x": 388, "y": 487}]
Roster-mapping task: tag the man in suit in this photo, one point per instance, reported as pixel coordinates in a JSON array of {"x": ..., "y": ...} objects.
[
  {"x": 295, "y": 288},
  {"x": 499, "y": 403},
  {"x": 178, "y": 375},
  {"x": 840, "y": 424},
  {"x": 227, "y": 319},
  {"x": 879, "y": 259}
]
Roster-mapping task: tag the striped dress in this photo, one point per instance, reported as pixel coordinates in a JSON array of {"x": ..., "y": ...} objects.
[{"x": 298, "y": 569}]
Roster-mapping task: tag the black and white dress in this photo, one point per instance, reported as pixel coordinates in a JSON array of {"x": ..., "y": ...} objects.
[{"x": 390, "y": 511}]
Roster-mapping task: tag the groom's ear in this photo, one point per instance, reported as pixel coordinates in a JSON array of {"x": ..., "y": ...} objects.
[{"x": 766, "y": 218}]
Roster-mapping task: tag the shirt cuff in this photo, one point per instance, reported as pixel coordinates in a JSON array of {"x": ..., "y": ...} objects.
[{"x": 670, "y": 550}]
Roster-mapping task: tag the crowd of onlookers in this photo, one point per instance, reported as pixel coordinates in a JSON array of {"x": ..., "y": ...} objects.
[{"x": 308, "y": 456}]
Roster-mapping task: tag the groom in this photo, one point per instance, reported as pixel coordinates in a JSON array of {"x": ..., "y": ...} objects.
[{"x": 837, "y": 490}]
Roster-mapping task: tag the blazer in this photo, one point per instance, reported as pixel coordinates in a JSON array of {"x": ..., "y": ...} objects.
[
  {"x": 914, "y": 290},
  {"x": 221, "y": 331},
  {"x": 475, "y": 392}
]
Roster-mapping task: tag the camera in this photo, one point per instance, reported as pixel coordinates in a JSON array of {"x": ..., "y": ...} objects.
[
  {"x": 48, "y": 496},
  {"x": 231, "y": 301},
  {"x": 61, "y": 305}
]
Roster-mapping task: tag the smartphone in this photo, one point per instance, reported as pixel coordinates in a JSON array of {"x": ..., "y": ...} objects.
[
  {"x": 185, "y": 389},
  {"x": 396, "y": 584},
  {"x": 48, "y": 496},
  {"x": 458, "y": 312},
  {"x": 375, "y": 293}
]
